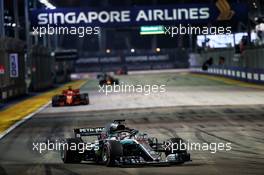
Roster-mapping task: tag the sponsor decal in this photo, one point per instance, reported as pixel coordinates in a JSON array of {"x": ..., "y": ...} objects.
[
  {"x": 13, "y": 60},
  {"x": 2, "y": 69},
  {"x": 141, "y": 15}
]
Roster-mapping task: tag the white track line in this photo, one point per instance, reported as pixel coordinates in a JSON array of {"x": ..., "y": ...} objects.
[{"x": 14, "y": 126}]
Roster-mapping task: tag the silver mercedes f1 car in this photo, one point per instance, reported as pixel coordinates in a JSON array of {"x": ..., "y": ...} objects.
[{"x": 117, "y": 145}]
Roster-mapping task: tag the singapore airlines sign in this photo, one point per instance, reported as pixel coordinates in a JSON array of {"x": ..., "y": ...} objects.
[
  {"x": 135, "y": 16},
  {"x": 123, "y": 16}
]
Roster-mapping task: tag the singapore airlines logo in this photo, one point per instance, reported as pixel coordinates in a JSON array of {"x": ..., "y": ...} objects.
[{"x": 226, "y": 13}]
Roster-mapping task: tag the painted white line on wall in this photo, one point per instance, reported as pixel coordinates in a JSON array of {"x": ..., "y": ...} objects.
[
  {"x": 14, "y": 126},
  {"x": 256, "y": 77},
  {"x": 249, "y": 76},
  {"x": 238, "y": 74},
  {"x": 233, "y": 73},
  {"x": 229, "y": 72},
  {"x": 243, "y": 75},
  {"x": 262, "y": 77}
]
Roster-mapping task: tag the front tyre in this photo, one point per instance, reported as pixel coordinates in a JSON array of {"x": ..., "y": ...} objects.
[
  {"x": 85, "y": 98},
  {"x": 55, "y": 101},
  {"x": 112, "y": 151}
]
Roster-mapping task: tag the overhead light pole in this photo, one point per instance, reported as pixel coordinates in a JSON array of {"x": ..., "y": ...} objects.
[
  {"x": 16, "y": 21},
  {"x": 2, "y": 28},
  {"x": 2, "y": 34},
  {"x": 28, "y": 46}
]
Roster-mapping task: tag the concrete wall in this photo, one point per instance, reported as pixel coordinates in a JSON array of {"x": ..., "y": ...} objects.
[
  {"x": 253, "y": 58},
  {"x": 248, "y": 66},
  {"x": 140, "y": 60},
  {"x": 250, "y": 58},
  {"x": 41, "y": 68}
]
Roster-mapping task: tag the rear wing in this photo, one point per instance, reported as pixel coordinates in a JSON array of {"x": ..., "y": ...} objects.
[{"x": 88, "y": 131}]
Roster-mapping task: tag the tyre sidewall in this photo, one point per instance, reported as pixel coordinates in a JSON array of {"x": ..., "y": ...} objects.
[{"x": 71, "y": 156}]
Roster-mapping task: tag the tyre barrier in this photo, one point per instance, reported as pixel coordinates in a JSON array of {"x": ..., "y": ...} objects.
[{"x": 12, "y": 82}]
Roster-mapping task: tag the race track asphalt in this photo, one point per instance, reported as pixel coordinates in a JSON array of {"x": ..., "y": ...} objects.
[{"x": 240, "y": 124}]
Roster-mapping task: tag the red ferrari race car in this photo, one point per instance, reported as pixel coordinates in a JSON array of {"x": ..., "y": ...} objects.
[{"x": 70, "y": 97}]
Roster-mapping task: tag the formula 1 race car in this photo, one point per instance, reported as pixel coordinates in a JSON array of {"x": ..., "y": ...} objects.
[
  {"x": 70, "y": 97},
  {"x": 106, "y": 79},
  {"x": 121, "y": 71},
  {"x": 117, "y": 145}
]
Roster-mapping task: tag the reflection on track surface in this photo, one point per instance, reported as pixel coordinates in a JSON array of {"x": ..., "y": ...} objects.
[{"x": 243, "y": 126}]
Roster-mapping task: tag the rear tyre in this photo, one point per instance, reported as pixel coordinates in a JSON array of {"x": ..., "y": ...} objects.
[
  {"x": 112, "y": 151},
  {"x": 102, "y": 82},
  {"x": 116, "y": 82},
  {"x": 55, "y": 101},
  {"x": 86, "y": 98},
  {"x": 71, "y": 156},
  {"x": 53, "y": 104},
  {"x": 87, "y": 102}
]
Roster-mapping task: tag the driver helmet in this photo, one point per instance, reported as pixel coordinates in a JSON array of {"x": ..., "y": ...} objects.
[{"x": 116, "y": 127}]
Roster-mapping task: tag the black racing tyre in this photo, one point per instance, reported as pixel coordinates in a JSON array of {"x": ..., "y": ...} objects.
[
  {"x": 102, "y": 82},
  {"x": 71, "y": 156},
  {"x": 55, "y": 100},
  {"x": 54, "y": 104},
  {"x": 177, "y": 143},
  {"x": 112, "y": 151},
  {"x": 85, "y": 98},
  {"x": 87, "y": 101},
  {"x": 116, "y": 82}
]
